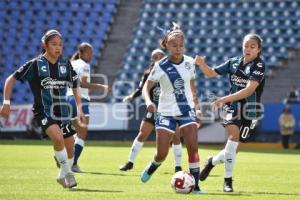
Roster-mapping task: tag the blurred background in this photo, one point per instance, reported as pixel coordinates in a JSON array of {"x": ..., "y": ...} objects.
[{"x": 123, "y": 33}]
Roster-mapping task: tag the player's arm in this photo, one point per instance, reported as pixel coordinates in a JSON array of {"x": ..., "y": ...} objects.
[
  {"x": 9, "y": 83},
  {"x": 242, "y": 94},
  {"x": 206, "y": 70},
  {"x": 146, "y": 93},
  {"x": 195, "y": 96},
  {"x": 77, "y": 97},
  {"x": 138, "y": 91},
  {"x": 85, "y": 84}
]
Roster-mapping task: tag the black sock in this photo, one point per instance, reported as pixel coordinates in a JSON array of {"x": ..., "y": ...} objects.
[{"x": 195, "y": 172}]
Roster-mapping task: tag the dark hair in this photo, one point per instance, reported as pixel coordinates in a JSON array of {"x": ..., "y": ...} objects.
[
  {"x": 152, "y": 63},
  {"x": 258, "y": 39},
  {"x": 81, "y": 49},
  {"x": 49, "y": 35}
]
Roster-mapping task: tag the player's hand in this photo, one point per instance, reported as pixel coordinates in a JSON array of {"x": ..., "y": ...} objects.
[
  {"x": 151, "y": 107},
  {"x": 200, "y": 60},
  {"x": 219, "y": 102},
  {"x": 4, "y": 111},
  {"x": 107, "y": 89},
  {"x": 198, "y": 118},
  {"x": 81, "y": 118},
  {"x": 127, "y": 98}
]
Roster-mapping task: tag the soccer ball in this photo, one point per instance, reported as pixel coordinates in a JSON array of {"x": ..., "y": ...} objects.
[{"x": 183, "y": 182}]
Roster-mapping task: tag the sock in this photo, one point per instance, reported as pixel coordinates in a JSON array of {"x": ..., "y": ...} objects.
[
  {"x": 177, "y": 150},
  {"x": 219, "y": 158},
  {"x": 135, "y": 149},
  {"x": 230, "y": 154},
  {"x": 62, "y": 158},
  {"x": 79, "y": 144},
  {"x": 153, "y": 167},
  {"x": 71, "y": 161},
  {"x": 195, "y": 170}
]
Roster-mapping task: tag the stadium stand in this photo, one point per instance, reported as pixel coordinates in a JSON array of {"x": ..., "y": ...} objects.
[
  {"x": 213, "y": 28},
  {"x": 23, "y": 23}
]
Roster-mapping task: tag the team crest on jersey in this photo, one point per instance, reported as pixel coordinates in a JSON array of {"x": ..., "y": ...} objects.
[
  {"x": 188, "y": 65},
  {"x": 247, "y": 70},
  {"x": 63, "y": 69}
]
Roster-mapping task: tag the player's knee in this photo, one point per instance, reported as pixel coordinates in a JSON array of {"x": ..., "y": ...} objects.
[{"x": 194, "y": 157}]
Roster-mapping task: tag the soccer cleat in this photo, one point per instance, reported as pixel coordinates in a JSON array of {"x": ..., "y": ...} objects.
[
  {"x": 56, "y": 161},
  {"x": 126, "y": 166},
  {"x": 178, "y": 168},
  {"x": 70, "y": 180},
  {"x": 76, "y": 168},
  {"x": 206, "y": 170},
  {"x": 197, "y": 190},
  {"x": 148, "y": 171},
  {"x": 62, "y": 182},
  {"x": 228, "y": 185}
]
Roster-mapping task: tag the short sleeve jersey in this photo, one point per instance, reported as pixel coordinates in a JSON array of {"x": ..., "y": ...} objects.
[
  {"x": 175, "y": 91},
  {"x": 82, "y": 68},
  {"x": 48, "y": 83},
  {"x": 239, "y": 75}
]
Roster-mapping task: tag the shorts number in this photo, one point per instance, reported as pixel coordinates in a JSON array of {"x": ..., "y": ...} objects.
[{"x": 245, "y": 130}]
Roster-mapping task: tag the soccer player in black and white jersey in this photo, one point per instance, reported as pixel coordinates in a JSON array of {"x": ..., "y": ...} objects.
[
  {"x": 175, "y": 74},
  {"x": 247, "y": 78},
  {"x": 49, "y": 75},
  {"x": 148, "y": 123}
]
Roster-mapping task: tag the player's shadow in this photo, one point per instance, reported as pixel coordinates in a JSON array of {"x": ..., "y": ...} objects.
[
  {"x": 105, "y": 174},
  {"x": 271, "y": 193},
  {"x": 94, "y": 190}
]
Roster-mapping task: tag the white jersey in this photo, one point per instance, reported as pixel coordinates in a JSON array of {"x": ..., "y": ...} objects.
[
  {"x": 82, "y": 69},
  {"x": 176, "y": 96}
]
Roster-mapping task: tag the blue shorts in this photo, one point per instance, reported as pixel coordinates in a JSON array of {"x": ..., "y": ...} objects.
[
  {"x": 169, "y": 123},
  {"x": 73, "y": 109}
]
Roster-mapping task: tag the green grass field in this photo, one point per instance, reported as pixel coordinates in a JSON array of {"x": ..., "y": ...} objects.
[{"x": 28, "y": 171}]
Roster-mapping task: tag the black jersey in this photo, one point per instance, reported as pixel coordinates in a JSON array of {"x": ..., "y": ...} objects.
[
  {"x": 48, "y": 83},
  {"x": 154, "y": 92},
  {"x": 239, "y": 75}
]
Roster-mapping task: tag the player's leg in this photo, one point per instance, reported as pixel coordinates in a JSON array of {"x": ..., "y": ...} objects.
[
  {"x": 162, "y": 148},
  {"x": 79, "y": 141},
  {"x": 177, "y": 150},
  {"x": 190, "y": 137},
  {"x": 146, "y": 128},
  {"x": 230, "y": 155},
  {"x": 65, "y": 176}
]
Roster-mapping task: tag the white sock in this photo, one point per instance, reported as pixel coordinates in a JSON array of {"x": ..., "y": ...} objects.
[
  {"x": 62, "y": 158},
  {"x": 71, "y": 161},
  {"x": 219, "y": 158},
  {"x": 230, "y": 154},
  {"x": 79, "y": 141},
  {"x": 135, "y": 149},
  {"x": 177, "y": 150}
]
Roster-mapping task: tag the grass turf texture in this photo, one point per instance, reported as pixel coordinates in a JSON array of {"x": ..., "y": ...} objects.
[{"x": 28, "y": 171}]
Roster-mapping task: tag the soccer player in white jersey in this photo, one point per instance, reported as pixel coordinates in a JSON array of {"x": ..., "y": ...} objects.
[
  {"x": 80, "y": 62},
  {"x": 176, "y": 106}
]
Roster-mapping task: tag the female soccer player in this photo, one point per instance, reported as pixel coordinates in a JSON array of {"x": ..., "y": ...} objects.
[
  {"x": 148, "y": 122},
  {"x": 80, "y": 62},
  {"x": 247, "y": 77},
  {"x": 174, "y": 74},
  {"x": 49, "y": 75}
]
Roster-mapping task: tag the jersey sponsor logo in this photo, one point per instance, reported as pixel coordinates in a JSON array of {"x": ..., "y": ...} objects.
[
  {"x": 49, "y": 83},
  {"x": 179, "y": 86},
  {"x": 44, "y": 68},
  {"x": 238, "y": 81},
  {"x": 259, "y": 65},
  {"x": 63, "y": 69},
  {"x": 258, "y": 73}
]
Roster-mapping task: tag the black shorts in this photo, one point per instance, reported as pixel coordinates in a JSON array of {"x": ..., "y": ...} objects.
[
  {"x": 246, "y": 124},
  {"x": 45, "y": 122},
  {"x": 149, "y": 117}
]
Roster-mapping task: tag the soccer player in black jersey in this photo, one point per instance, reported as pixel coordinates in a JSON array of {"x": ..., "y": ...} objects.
[
  {"x": 247, "y": 78},
  {"x": 148, "y": 122},
  {"x": 49, "y": 75}
]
